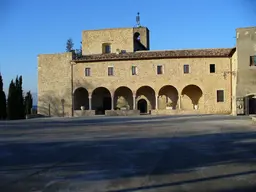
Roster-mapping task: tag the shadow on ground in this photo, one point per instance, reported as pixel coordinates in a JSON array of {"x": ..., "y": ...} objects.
[
  {"x": 126, "y": 158},
  {"x": 48, "y": 123}
]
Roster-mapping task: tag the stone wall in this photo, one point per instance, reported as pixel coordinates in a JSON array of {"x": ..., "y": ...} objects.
[
  {"x": 122, "y": 112},
  {"x": 54, "y": 84},
  {"x": 172, "y": 75},
  {"x": 246, "y": 47}
]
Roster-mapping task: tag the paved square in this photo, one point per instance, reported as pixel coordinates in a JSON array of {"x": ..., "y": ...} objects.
[{"x": 147, "y": 153}]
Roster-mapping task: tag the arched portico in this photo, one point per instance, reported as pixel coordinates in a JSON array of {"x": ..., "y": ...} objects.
[
  {"x": 101, "y": 100},
  {"x": 147, "y": 93},
  {"x": 81, "y": 98},
  {"x": 123, "y": 98},
  {"x": 191, "y": 95},
  {"x": 168, "y": 97}
]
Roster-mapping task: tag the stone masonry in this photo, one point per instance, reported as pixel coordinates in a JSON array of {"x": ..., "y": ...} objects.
[{"x": 60, "y": 77}]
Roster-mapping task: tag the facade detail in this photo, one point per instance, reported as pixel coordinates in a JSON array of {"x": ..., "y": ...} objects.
[{"x": 117, "y": 74}]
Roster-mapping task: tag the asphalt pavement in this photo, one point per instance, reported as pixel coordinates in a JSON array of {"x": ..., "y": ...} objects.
[{"x": 126, "y": 154}]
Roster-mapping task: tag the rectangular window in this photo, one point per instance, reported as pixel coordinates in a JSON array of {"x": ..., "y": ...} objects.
[
  {"x": 212, "y": 68},
  {"x": 87, "y": 71},
  {"x": 110, "y": 71},
  {"x": 134, "y": 70},
  {"x": 186, "y": 68},
  {"x": 253, "y": 60},
  {"x": 159, "y": 69},
  {"x": 220, "y": 96}
]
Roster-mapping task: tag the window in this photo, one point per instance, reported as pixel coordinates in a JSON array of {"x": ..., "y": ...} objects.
[
  {"x": 110, "y": 71},
  {"x": 220, "y": 96},
  {"x": 253, "y": 60},
  {"x": 106, "y": 48},
  {"x": 159, "y": 69},
  {"x": 212, "y": 68},
  {"x": 87, "y": 71},
  {"x": 134, "y": 70},
  {"x": 186, "y": 68}
]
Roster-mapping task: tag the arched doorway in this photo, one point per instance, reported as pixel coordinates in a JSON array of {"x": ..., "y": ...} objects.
[
  {"x": 142, "y": 106},
  {"x": 148, "y": 94},
  {"x": 191, "y": 96},
  {"x": 251, "y": 99},
  {"x": 123, "y": 98},
  {"x": 168, "y": 97},
  {"x": 81, "y": 98},
  {"x": 101, "y": 100}
]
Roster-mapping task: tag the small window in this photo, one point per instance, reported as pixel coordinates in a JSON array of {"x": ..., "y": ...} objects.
[
  {"x": 87, "y": 71},
  {"x": 106, "y": 48},
  {"x": 134, "y": 70},
  {"x": 212, "y": 68},
  {"x": 110, "y": 71},
  {"x": 220, "y": 96},
  {"x": 253, "y": 60},
  {"x": 186, "y": 68},
  {"x": 159, "y": 69}
]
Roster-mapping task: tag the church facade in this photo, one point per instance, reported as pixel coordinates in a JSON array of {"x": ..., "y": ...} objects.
[{"x": 117, "y": 74}]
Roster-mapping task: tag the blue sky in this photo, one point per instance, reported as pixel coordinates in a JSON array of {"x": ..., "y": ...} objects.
[{"x": 32, "y": 27}]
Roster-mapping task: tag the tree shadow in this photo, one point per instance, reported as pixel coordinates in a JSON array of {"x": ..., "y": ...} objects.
[{"x": 115, "y": 157}]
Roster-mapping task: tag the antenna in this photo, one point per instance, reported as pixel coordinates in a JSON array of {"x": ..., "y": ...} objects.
[{"x": 138, "y": 19}]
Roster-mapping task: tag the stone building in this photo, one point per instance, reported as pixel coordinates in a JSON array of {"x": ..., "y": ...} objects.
[{"x": 117, "y": 74}]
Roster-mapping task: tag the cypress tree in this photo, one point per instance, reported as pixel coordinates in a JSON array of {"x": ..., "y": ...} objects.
[
  {"x": 28, "y": 103},
  {"x": 2, "y": 100},
  {"x": 20, "y": 99},
  {"x": 11, "y": 102}
]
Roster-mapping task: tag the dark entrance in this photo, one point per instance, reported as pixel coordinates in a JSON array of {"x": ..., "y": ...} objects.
[
  {"x": 142, "y": 106},
  {"x": 252, "y": 104},
  {"x": 107, "y": 103}
]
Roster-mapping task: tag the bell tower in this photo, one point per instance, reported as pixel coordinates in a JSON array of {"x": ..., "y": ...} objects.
[{"x": 140, "y": 36}]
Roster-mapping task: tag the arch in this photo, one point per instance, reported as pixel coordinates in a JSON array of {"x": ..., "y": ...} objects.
[
  {"x": 147, "y": 93},
  {"x": 142, "y": 106},
  {"x": 136, "y": 36},
  {"x": 101, "y": 100},
  {"x": 191, "y": 95},
  {"x": 123, "y": 98},
  {"x": 168, "y": 96},
  {"x": 81, "y": 98}
]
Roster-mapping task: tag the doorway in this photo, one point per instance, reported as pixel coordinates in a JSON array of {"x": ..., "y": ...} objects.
[
  {"x": 252, "y": 104},
  {"x": 142, "y": 106}
]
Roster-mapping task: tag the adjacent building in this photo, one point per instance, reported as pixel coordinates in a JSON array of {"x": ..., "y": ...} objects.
[{"x": 117, "y": 74}]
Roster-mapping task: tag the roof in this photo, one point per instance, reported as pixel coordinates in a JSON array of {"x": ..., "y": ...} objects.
[{"x": 147, "y": 55}]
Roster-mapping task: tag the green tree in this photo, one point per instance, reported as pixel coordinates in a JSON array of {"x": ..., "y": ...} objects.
[
  {"x": 69, "y": 45},
  {"x": 11, "y": 109},
  {"x": 16, "y": 109},
  {"x": 2, "y": 100},
  {"x": 21, "y": 99},
  {"x": 28, "y": 103}
]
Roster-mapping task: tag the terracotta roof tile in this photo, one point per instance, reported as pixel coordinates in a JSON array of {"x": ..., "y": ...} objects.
[{"x": 143, "y": 55}]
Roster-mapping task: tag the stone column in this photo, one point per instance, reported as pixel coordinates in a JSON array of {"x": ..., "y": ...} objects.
[
  {"x": 112, "y": 102},
  {"x": 156, "y": 102},
  {"x": 90, "y": 102},
  {"x": 179, "y": 101},
  {"x": 134, "y": 102}
]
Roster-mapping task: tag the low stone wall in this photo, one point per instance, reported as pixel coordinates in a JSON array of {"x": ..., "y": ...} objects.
[
  {"x": 33, "y": 116},
  {"x": 175, "y": 112},
  {"x": 122, "y": 112},
  {"x": 80, "y": 113}
]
